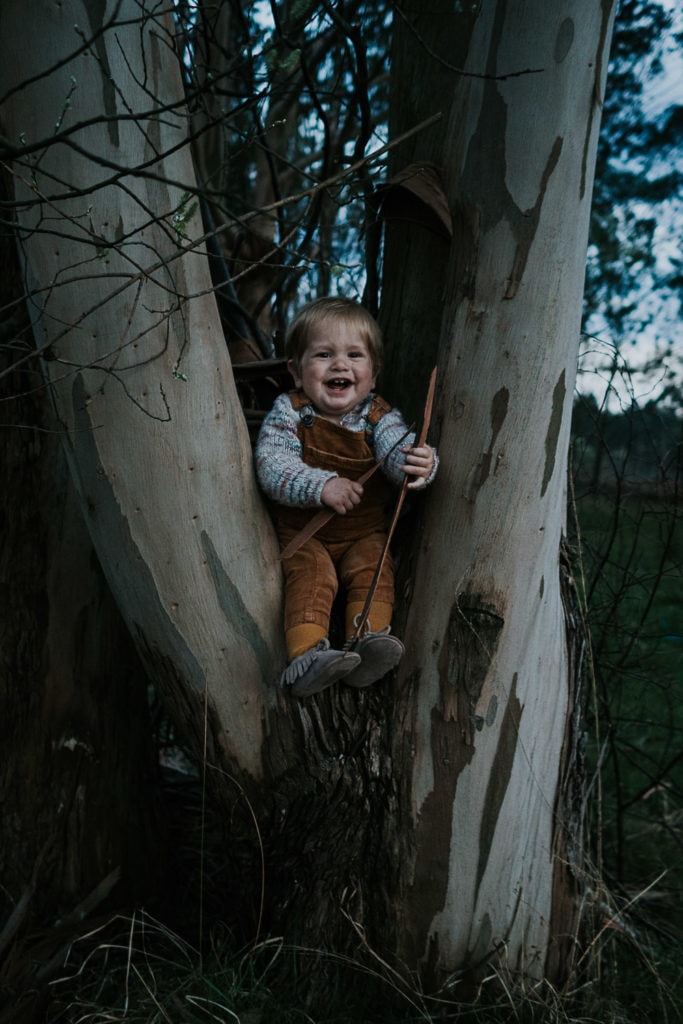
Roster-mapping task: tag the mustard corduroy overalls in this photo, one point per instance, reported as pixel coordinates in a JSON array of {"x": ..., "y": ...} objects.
[{"x": 348, "y": 547}]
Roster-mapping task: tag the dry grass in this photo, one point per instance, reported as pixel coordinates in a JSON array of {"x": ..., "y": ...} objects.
[{"x": 135, "y": 969}]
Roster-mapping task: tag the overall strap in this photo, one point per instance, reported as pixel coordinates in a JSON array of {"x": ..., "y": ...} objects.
[
  {"x": 298, "y": 399},
  {"x": 378, "y": 408}
]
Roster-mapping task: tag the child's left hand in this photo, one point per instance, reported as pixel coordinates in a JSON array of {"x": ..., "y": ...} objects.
[{"x": 418, "y": 465}]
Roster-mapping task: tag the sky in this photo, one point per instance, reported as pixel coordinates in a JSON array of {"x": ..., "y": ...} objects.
[{"x": 650, "y": 352}]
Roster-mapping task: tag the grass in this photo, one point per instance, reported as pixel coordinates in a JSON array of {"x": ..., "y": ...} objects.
[
  {"x": 137, "y": 970},
  {"x": 634, "y": 583},
  {"x": 632, "y": 561}
]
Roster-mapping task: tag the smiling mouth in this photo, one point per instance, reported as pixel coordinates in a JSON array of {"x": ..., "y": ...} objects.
[{"x": 338, "y": 384}]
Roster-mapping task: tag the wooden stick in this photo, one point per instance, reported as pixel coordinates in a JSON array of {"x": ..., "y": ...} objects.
[{"x": 363, "y": 617}]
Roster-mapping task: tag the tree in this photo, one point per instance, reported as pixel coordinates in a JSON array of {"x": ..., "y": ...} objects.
[
  {"x": 434, "y": 813},
  {"x": 508, "y": 352}
]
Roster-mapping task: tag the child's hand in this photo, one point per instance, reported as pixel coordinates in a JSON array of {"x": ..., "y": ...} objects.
[
  {"x": 418, "y": 465},
  {"x": 341, "y": 494}
]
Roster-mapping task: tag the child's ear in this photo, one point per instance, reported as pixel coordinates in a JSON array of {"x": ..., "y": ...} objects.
[{"x": 294, "y": 372}]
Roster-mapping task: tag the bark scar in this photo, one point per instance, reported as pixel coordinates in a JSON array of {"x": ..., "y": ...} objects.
[
  {"x": 553, "y": 432},
  {"x": 499, "y": 778},
  {"x": 469, "y": 646},
  {"x": 526, "y": 223},
  {"x": 482, "y": 469}
]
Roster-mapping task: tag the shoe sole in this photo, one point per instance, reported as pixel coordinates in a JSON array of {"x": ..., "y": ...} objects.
[
  {"x": 374, "y": 668},
  {"x": 323, "y": 679}
]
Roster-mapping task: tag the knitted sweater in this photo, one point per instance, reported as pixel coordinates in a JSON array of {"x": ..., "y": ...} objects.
[{"x": 284, "y": 476}]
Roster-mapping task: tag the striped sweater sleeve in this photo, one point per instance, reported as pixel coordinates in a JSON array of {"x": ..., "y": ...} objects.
[
  {"x": 387, "y": 433},
  {"x": 281, "y": 472}
]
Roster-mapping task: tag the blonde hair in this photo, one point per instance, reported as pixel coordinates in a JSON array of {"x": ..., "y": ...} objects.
[{"x": 330, "y": 307}]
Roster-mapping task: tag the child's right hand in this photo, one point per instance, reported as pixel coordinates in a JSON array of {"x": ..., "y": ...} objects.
[{"x": 341, "y": 494}]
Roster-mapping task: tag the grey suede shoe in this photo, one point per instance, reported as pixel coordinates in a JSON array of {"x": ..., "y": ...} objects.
[
  {"x": 379, "y": 653},
  {"x": 317, "y": 669}
]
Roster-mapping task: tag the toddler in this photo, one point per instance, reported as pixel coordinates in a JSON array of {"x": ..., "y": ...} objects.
[{"x": 313, "y": 447}]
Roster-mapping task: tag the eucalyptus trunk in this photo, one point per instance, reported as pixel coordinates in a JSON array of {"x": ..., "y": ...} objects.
[
  {"x": 488, "y": 687},
  {"x": 126, "y": 322}
]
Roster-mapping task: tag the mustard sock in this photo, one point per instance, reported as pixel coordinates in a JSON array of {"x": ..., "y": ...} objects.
[
  {"x": 378, "y": 619},
  {"x": 301, "y": 638}
]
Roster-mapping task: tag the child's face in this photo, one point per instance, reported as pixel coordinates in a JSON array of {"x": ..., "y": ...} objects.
[{"x": 335, "y": 371}]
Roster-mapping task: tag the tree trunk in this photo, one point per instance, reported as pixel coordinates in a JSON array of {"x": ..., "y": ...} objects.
[
  {"x": 485, "y": 686},
  {"x": 139, "y": 371}
]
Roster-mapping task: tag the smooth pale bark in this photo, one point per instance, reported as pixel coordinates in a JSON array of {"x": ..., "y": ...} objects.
[
  {"x": 142, "y": 385},
  {"x": 486, "y": 681}
]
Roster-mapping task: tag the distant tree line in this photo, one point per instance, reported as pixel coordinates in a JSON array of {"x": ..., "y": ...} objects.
[{"x": 636, "y": 450}]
